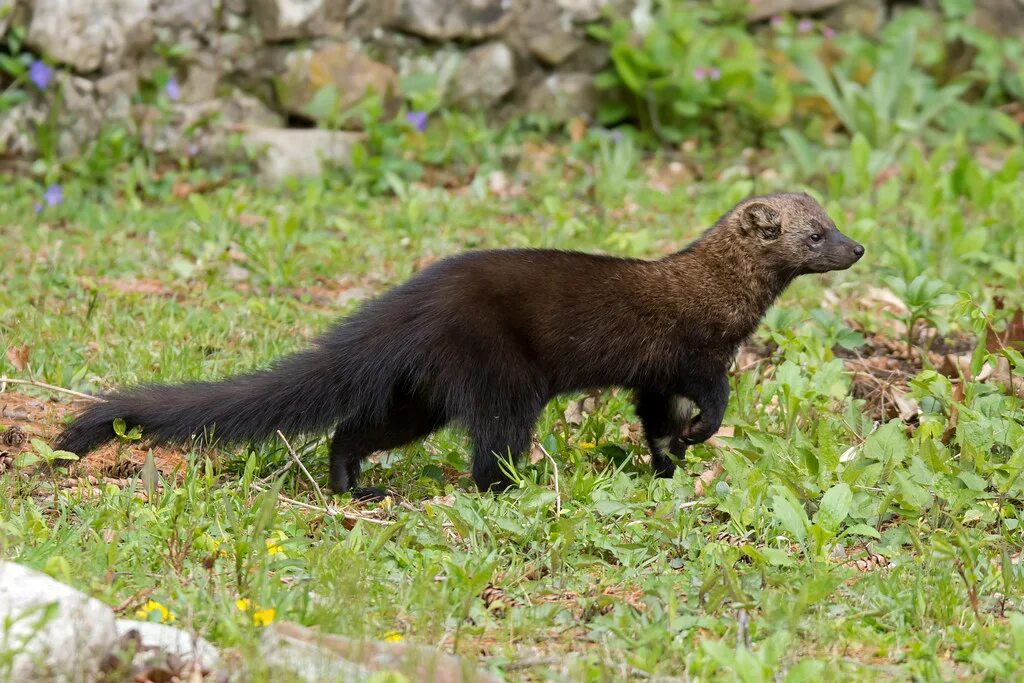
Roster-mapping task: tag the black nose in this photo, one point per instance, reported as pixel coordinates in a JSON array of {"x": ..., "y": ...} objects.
[{"x": 858, "y": 250}]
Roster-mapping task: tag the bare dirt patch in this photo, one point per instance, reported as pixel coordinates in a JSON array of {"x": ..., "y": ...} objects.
[{"x": 24, "y": 417}]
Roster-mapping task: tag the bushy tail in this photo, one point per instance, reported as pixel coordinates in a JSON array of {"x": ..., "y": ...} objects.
[{"x": 300, "y": 393}]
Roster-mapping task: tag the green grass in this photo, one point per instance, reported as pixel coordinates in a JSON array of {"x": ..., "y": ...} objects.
[{"x": 612, "y": 575}]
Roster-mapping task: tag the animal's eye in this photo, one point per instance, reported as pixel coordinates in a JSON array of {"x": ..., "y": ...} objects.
[{"x": 815, "y": 237}]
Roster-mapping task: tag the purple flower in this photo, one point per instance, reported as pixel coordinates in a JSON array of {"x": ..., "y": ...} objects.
[
  {"x": 172, "y": 89},
  {"x": 714, "y": 74},
  {"x": 40, "y": 73},
  {"x": 38, "y": 207},
  {"x": 700, "y": 73},
  {"x": 776, "y": 21},
  {"x": 54, "y": 195},
  {"x": 805, "y": 25},
  {"x": 418, "y": 119},
  {"x": 828, "y": 32}
]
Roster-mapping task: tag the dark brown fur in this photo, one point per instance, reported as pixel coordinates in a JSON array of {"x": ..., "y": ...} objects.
[{"x": 486, "y": 339}]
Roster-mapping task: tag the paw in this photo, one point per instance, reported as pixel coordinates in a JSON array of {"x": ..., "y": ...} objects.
[
  {"x": 663, "y": 468},
  {"x": 698, "y": 431},
  {"x": 368, "y": 494}
]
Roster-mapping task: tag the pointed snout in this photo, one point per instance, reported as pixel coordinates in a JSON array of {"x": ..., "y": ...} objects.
[{"x": 854, "y": 249}]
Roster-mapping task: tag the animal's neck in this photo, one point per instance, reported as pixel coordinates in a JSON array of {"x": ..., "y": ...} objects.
[{"x": 745, "y": 284}]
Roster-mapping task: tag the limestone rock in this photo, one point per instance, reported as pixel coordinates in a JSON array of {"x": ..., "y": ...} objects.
[
  {"x": 583, "y": 10},
  {"x": 57, "y": 633},
  {"x": 201, "y": 128},
  {"x": 289, "y": 19},
  {"x": 351, "y": 73},
  {"x": 564, "y": 96},
  {"x": 313, "y": 656},
  {"x": 548, "y": 32},
  {"x": 171, "y": 641},
  {"x": 198, "y": 15},
  {"x": 440, "y": 67},
  {"x": 90, "y": 34},
  {"x": 89, "y": 105},
  {"x": 298, "y": 152},
  {"x": 485, "y": 75},
  {"x": 451, "y": 19},
  {"x": 17, "y": 130}
]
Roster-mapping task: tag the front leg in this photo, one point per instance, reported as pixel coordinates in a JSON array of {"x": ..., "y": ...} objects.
[
  {"x": 711, "y": 399},
  {"x": 663, "y": 417}
]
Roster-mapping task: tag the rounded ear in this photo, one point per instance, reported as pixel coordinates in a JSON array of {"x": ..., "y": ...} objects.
[{"x": 761, "y": 220}]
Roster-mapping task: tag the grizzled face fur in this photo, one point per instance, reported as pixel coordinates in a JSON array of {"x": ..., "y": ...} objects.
[{"x": 793, "y": 233}]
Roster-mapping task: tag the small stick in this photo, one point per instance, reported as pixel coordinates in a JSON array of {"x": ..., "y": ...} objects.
[
  {"x": 316, "y": 487},
  {"x": 44, "y": 385},
  {"x": 558, "y": 495},
  {"x": 330, "y": 511}
]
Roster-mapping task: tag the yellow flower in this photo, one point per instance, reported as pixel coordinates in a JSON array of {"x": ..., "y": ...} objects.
[
  {"x": 274, "y": 543},
  {"x": 587, "y": 445},
  {"x": 260, "y": 616},
  {"x": 392, "y": 636},
  {"x": 264, "y": 617},
  {"x": 151, "y": 607}
]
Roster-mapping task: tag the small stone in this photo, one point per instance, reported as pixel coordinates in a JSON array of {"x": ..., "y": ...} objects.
[
  {"x": 309, "y": 655},
  {"x": 444, "y": 20},
  {"x": 54, "y": 632},
  {"x": 298, "y": 152},
  {"x": 89, "y": 34},
  {"x": 484, "y": 76},
  {"x": 351, "y": 73},
  {"x": 172, "y": 641},
  {"x": 549, "y": 33},
  {"x": 290, "y": 19},
  {"x": 197, "y": 15},
  {"x": 562, "y": 97}
]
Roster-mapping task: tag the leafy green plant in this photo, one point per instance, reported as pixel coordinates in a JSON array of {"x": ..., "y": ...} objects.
[
  {"x": 923, "y": 296},
  {"x": 42, "y": 453},
  {"x": 898, "y": 103},
  {"x": 690, "y": 75}
]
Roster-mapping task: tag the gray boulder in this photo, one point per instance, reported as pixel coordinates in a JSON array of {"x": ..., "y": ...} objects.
[
  {"x": 90, "y": 34},
  {"x": 56, "y": 632}
]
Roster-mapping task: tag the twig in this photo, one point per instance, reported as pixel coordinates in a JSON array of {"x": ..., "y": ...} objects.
[
  {"x": 44, "y": 385},
  {"x": 135, "y": 598},
  {"x": 291, "y": 452},
  {"x": 329, "y": 510},
  {"x": 558, "y": 495}
]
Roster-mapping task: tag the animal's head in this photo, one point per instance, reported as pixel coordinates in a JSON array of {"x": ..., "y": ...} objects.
[{"x": 793, "y": 233}]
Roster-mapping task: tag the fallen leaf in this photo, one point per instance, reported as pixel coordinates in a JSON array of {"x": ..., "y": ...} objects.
[
  {"x": 18, "y": 356},
  {"x": 906, "y": 407},
  {"x": 703, "y": 483}
]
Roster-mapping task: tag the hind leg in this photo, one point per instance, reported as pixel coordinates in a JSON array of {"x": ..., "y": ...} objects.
[
  {"x": 500, "y": 434},
  {"x": 351, "y": 445}
]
